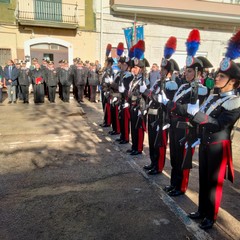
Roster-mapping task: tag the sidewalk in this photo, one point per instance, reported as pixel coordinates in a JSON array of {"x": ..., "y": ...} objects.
[{"x": 228, "y": 222}]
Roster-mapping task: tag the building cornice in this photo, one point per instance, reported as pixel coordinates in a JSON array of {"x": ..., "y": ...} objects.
[{"x": 176, "y": 13}]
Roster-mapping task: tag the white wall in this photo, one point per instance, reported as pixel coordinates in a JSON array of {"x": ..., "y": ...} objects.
[{"x": 213, "y": 43}]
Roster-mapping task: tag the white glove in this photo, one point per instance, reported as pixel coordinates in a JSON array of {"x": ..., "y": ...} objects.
[
  {"x": 121, "y": 88},
  {"x": 166, "y": 126},
  {"x": 164, "y": 98},
  {"x": 160, "y": 98},
  {"x": 114, "y": 99},
  {"x": 139, "y": 113},
  {"x": 111, "y": 79},
  {"x": 143, "y": 88},
  {"x": 192, "y": 109},
  {"x": 125, "y": 105},
  {"x": 106, "y": 80}
]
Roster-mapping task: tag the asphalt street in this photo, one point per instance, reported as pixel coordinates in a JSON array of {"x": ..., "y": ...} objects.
[{"x": 64, "y": 177}]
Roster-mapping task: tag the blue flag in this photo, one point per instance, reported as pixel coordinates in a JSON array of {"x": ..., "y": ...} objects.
[
  {"x": 128, "y": 32},
  {"x": 139, "y": 33}
]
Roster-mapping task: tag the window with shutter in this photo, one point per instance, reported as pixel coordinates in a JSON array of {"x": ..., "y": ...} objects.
[{"x": 50, "y": 10}]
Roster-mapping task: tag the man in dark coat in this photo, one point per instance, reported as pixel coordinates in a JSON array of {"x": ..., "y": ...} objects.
[
  {"x": 24, "y": 81},
  {"x": 93, "y": 81},
  {"x": 38, "y": 78},
  {"x": 65, "y": 75},
  {"x": 51, "y": 81},
  {"x": 80, "y": 81}
]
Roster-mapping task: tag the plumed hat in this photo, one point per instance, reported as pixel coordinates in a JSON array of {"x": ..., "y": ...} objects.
[
  {"x": 227, "y": 65},
  {"x": 138, "y": 55},
  {"x": 108, "y": 51},
  {"x": 120, "y": 58},
  {"x": 192, "y": 44},
  {"x": 169, "y": 49}
]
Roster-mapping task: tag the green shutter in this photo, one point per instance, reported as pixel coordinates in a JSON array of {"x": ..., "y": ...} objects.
[
  {"x": 4, "y": 1},
  {"x": 50, "y": 10}
]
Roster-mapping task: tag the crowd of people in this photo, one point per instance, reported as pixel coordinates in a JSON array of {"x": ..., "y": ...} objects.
[
  {"x": 196, "y": 107},
  {"x": 185, "y": 108},
  {"x": 45, "y": 79}
]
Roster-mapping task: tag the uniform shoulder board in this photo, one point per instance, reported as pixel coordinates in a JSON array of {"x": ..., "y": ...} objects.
[
  {"x": 202, "y": 90},
  {"x": 232, "y": 103},
  {"x": 128, "y": 74},
  {"x": 171, "y": 85}
]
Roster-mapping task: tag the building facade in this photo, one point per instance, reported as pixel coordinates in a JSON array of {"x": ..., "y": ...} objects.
[
  {"x": 217, "y": 20},
  {"x": 54, "y": 30}
]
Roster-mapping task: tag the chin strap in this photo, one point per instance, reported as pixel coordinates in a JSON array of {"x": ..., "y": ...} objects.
[{"x": 225, "y": 84}]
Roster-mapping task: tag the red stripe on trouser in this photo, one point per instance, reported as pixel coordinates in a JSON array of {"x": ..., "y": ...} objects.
[
  {"x": 222, "y": 170},
  {"x": 162, "y": 151},
  {"x": 126, "y": 123},
  {"x": 117, "y": 120},
  {"x": 185, "y": 179},
  {"x": 140, "y": 139},
  {"x": 161, "y": 159},
  {"x": 144, "y": 125},
  {"x": 108, "y": 112}
]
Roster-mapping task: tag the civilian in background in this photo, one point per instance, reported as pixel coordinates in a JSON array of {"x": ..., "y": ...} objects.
[
  {"x": 93, "y": 81},
  {"x": 11, "y": 76},
  {"x": 154, "y": 74}
]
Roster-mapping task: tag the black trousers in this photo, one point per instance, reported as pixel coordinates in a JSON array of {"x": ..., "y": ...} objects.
[
  {"x": 213, "y": 161},
  {"x": 65, "y": 93},
  {"x": 124, "y": 118},
  {"x": 80, "y": 91},
  {"x": 93, "y": 91},
  {"x": 137, "y": 130},
  {"x": 25, "y": 92},
  {"x": 179, "y": 177},
  {"x": 157, "y": 139},
  {"x": 52, "y": 93}
]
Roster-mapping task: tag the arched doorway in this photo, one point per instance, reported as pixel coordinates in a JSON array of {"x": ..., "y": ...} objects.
[{"x": 51, "y": 48}]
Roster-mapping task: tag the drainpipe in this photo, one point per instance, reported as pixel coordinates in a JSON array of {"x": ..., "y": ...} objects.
[{"x": 101, "y": 32}]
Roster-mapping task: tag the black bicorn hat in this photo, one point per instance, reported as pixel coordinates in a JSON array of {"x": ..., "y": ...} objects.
[
  {"x": 138, "y": 58},
  {"x": 110, "y": 60},
  {"x": 169, "y": 49},
  {"x": 200, "y": 62},
  {"x": 227, "y": 65}
]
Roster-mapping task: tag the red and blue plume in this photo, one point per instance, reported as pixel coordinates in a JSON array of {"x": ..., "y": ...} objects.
[
  {"x": 131, "y": 52},
  {"x": 170, "y": 47},
  {"x": 139, "y": 49},
  {"x": 233, "y": 49},
  {"x": 193, "y": 42},
  {"x": 120, "y": 49},
  {"x": 108, "y": 49}
]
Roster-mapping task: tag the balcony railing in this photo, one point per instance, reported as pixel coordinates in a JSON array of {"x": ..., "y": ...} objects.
[
  {"x": 48, "y": 13},
  {"x": 223, "y": 1}
]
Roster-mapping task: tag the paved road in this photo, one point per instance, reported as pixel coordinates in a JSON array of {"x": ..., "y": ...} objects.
[{"x": 63, "y": 177}]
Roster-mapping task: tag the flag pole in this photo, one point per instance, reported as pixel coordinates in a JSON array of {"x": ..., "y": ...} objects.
[{"x": 134, "y": 30}]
